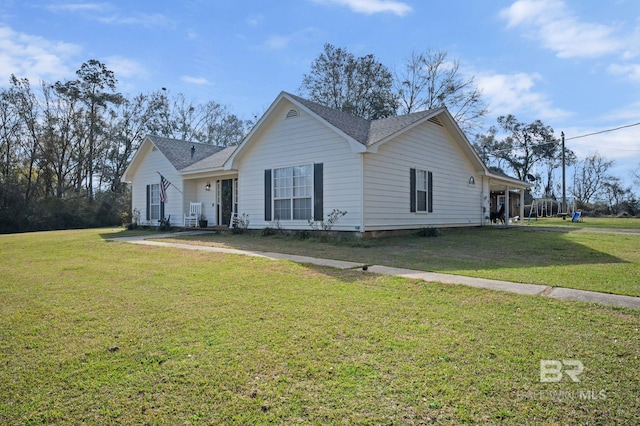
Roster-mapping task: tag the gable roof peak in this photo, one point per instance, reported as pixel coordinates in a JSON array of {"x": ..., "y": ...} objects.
[
  {"x": 353, "y": 126},
  {"x": 181, "y": 153},
  {"x": 365, "y": 131}
]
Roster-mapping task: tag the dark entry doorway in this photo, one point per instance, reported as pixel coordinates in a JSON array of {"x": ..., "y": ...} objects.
[{"x": 226, "y": 202}]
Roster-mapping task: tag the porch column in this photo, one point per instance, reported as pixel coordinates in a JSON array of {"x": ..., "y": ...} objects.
[
  {"x": 506, "y": 206},
  {"x": 521, "y": 206}
]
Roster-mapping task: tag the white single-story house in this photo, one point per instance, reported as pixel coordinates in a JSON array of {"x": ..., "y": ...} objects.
[{"x": 302, "y": 160}]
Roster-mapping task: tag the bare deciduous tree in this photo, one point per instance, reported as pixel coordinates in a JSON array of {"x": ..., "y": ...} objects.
[
  {"x": 429, "y": 80},
  {"x": 589, "y": 178},
  {"x": 176, "y": 117},
  {"x": 64, "y": 146}
]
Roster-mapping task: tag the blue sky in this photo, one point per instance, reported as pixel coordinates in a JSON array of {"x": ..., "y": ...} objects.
[{"x": 574, "y": 64}]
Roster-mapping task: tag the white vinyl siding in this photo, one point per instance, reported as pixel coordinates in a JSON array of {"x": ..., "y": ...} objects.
[
  {"x": 428, "y": 147},
  {"x": 146, "y": 173},
  {"x": 303, "y": 141}
]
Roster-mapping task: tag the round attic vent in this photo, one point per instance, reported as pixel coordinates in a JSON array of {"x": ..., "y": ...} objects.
[{"x": 293, "y": 113}]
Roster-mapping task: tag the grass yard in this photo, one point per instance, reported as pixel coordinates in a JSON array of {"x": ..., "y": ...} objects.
[
  {"x": 598, "y": 259},
  {"x": 96, "y": 332},
  {"x": 588, "y": 222}
]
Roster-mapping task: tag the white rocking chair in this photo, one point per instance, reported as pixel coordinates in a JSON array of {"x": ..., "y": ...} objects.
[{"x": 191, "y": 218}]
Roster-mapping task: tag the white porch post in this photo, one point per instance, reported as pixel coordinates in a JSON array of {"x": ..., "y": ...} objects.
[
  {"x": 506, "y": 206},
  {"x": 521, "y": 206}
]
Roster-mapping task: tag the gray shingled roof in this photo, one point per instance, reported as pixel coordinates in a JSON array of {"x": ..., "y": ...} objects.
[
  {"x": 178, "y": 152},
  {"x": 366, "y": 132},
  {"x": 356, "y": 127},
  {"x": 385, "y": 127},
  {"x": 214, "y": 161}
]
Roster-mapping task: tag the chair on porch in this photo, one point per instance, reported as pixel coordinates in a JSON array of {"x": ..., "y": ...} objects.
[{"x": 191, "y": 218}]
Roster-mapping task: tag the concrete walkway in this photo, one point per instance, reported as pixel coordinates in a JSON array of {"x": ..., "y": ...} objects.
[{"x": 511, "y": 287}]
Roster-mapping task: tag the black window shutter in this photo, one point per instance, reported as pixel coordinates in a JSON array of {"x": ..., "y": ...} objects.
[
  {"x": 430, "y": 192},
  {"x": 161, "y": 210},
  {"x": 318, "y": 190},
  {"x": 412, "y": 190},
  {"x": 267, "y": 195},
  {"x": 148, "y": 202}
]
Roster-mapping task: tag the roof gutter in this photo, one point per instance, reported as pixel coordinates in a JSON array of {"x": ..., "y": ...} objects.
[{"x": 508, "y": 180}]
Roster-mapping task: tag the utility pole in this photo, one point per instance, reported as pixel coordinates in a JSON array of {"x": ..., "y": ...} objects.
[{"x": 564, "y": 180}]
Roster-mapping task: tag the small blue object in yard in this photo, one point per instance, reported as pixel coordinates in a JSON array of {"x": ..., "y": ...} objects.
[{"x": 576, "y": 216}]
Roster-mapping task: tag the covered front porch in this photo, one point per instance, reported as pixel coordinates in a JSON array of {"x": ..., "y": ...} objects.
[
  {"x": 218, "y": 195},
  {"x": 506, "y": 201}
]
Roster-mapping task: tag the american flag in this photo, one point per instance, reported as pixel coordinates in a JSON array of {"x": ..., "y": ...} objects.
[{"x": 164, "y": 184}]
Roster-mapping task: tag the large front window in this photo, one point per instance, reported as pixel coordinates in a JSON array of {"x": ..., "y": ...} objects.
[
  {"x": 154, "y": 202},
  {"x": 292, "y": 192}
]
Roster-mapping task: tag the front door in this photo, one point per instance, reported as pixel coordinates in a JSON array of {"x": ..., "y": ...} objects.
[{"x": 226, "y": 202}]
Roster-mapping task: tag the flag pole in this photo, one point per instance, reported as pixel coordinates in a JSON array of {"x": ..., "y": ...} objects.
[{"x": 171, "y": 183}]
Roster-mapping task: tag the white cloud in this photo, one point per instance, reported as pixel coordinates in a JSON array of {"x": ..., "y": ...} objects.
[
  {"x": 281, "y": 42},
  {"x": 277, "y": 42},
  {"x": 524, "y": 11},
  {"x": 626, "y": 113},
  {"x": 632, "y": 46},
  {"x": 34, "y": 57},
  {"x": 620, "y": 145},
  {"x": 369, "y": 7},
  {"x": 200, "y": 81},
  {"x": 125, "y": 68},
  {"x": 515, "y": 94},
  {"x": 630, "y": 71},
  {"x": 104, "y": 12},
  {"x": 558, "y": 29},
  {"x": 77, "y": 7},
  {"x": 255, "y": 20},
  {"x": 145, "y": 20}
]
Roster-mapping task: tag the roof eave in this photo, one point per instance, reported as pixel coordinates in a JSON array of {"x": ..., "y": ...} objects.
[
  {"x": 203, "y": 170},
  {"x": 508, "y": 180}
]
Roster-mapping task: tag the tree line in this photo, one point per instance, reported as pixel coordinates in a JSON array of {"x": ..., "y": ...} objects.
[
  {"x": 529, "y": 151},
  {"x": 65, "y": 145}
]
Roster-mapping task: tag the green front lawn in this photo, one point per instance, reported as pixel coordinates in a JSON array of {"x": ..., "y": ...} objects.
[
  {"x": 588, "y": 222},
  {"x": 100, "y": 332},
  {"x": 599, "y": 259}
]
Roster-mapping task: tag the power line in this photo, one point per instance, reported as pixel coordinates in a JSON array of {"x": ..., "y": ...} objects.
[
  {"x": 555, "y": 141},
  {"x": 603, "y": 131}
]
